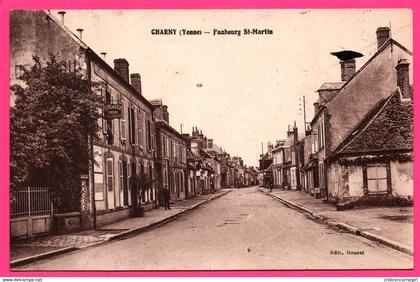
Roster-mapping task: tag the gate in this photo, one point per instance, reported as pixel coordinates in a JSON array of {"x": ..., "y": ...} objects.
[{"x": 31, "y": 212}]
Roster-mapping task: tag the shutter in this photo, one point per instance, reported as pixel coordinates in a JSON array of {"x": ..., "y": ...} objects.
[
  {"x": 365, "y": 182},
  {"x": 135, "y": 137},
  {"x": 140, "y": 128},
  {"x": 388, "y": 178},
  {"x": 153, "y": 140},
  {"x": 130, "y": 124}
]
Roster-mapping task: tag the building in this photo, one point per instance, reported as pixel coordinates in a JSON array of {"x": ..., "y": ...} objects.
[
  {"x": 125, "y": 146},
  {"x": 278, "y": 160},
  {"x": 342, "y": 106},
  {"x": 171, "y": 154},
  {"x": 266, "y": 167},
  {"x": 375, "y": 163}
]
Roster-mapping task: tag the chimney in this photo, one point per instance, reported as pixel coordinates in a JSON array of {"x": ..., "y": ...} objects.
[
  {"x": 204, "y": 142},
  {"x": 103, "y": 55},
  {"x": 382, "y": 35},
  {"x": 289, "y": 131},
  {"x": 347, "y": 62},
  {"x": 80, "y": 30},
  {"x": 403, "y": 78},
  {"x": 62, "y": 13},
  {"x": 295, "y": 133},
  {"x": 316, "y": 107},
  {"x": 136, "y": 81},
  {"x": 121, "y": 66},
  {"x": 348, "y": 68},
  {"x": 165, "y": 113},
  {"x": 210, "y": 143}
]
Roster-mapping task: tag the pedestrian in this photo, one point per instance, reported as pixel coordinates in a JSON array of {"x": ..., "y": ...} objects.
[{"x": 167, "y": 197}]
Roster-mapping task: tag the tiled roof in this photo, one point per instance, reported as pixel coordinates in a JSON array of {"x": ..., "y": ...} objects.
[{"x": 387, "y": 127}]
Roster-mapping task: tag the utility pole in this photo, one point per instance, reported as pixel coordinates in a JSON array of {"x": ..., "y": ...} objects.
[{"x": 304, "y": 112}]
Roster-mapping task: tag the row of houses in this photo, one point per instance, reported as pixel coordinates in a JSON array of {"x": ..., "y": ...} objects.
[
  {"x": 358, "y": 147},
  {"x": 141, "y": 141}
]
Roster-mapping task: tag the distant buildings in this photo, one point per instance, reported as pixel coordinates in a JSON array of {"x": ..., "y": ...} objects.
[
  {"x": 358, "y": 147},
  {"x": 140, "y": 142}
]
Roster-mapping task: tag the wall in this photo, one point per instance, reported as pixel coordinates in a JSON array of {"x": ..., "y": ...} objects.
[
  {"x": 402, "y": 178},
  {"x": 355, "y": 181},
  {"x": 35, "y": 33},
  {"x": 374, "y": 82}
]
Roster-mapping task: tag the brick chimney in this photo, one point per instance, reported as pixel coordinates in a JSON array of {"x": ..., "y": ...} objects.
[
  {"x": 295, "y": 133},
  {"x": 136, "y": 81},
  {"x": 121, "y": 66},
  {"x": 403, "y": 78},
  {"x": 348, "y": 68},
  {"x": 210, "y": 143},
  {"x": 205, "y": 142},
  {"x": 165, "y": 113},
  {"x": 382, "y": 35}
]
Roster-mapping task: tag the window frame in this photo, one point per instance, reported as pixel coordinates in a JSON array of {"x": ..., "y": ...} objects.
[{"x": 387, "y": 178}]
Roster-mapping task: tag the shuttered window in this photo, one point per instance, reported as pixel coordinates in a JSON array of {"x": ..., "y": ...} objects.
[{"x": 109, "y": 174}]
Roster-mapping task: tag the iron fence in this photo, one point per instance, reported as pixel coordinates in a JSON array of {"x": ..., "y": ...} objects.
[{"x": 30, "y": 201}]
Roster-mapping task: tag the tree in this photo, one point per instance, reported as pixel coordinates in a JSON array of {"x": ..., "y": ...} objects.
[{"x": 49, "y": 128}]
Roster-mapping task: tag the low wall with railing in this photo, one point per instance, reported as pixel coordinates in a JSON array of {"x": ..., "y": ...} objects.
[{"x": 30, "y": 212}]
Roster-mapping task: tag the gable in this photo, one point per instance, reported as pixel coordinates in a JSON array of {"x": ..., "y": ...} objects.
[{"x": 373, "y": 82}]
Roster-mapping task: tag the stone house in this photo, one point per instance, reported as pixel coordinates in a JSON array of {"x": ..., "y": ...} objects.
[
  {"x": 171, "y": 154},
  {"x": 341, "y": 106},
  {"x": 107, "y": 195},
  {"x": 287, "y": 161},
  {"x": 374, "y": 164}
]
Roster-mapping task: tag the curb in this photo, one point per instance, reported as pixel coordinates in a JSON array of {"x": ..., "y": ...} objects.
[
  {"x": 26, "y": 260},
  {"x": 344, "y": 226}
]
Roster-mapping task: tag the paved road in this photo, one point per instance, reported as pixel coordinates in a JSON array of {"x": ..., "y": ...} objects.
[{"x": 244, "y": 229}]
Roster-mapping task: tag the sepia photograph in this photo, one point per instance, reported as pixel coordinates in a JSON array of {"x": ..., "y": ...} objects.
[{"x": 211, "y": 140}]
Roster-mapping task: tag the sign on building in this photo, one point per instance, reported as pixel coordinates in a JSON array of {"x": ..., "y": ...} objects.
[{"x": 113, "y": 111}]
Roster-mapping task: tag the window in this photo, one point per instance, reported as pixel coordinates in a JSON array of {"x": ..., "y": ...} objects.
[
  {"x": 122, "y": 121},
  {"x": 132, "y": 125},
  {"x": 163, "y": 146},
  {"x": 109, "y": 174},
  {"x": 140, "y": 126},
  {"x": 376, "y": 178},
  {"x": 121, "y": 179}
]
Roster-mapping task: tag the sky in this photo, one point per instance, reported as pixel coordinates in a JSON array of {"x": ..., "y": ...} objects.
[{"x": 251, "y": 85}]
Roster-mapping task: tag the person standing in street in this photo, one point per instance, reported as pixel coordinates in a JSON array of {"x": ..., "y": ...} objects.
[{"x": 166, "y": 197}]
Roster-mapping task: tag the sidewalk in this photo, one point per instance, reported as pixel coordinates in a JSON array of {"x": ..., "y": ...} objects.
[
  {"x": 30, "y": 250},
  {"x": 392, "y": 226}
]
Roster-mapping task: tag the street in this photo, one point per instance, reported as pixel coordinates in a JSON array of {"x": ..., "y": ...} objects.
[{"x": 243, "y": 229}]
